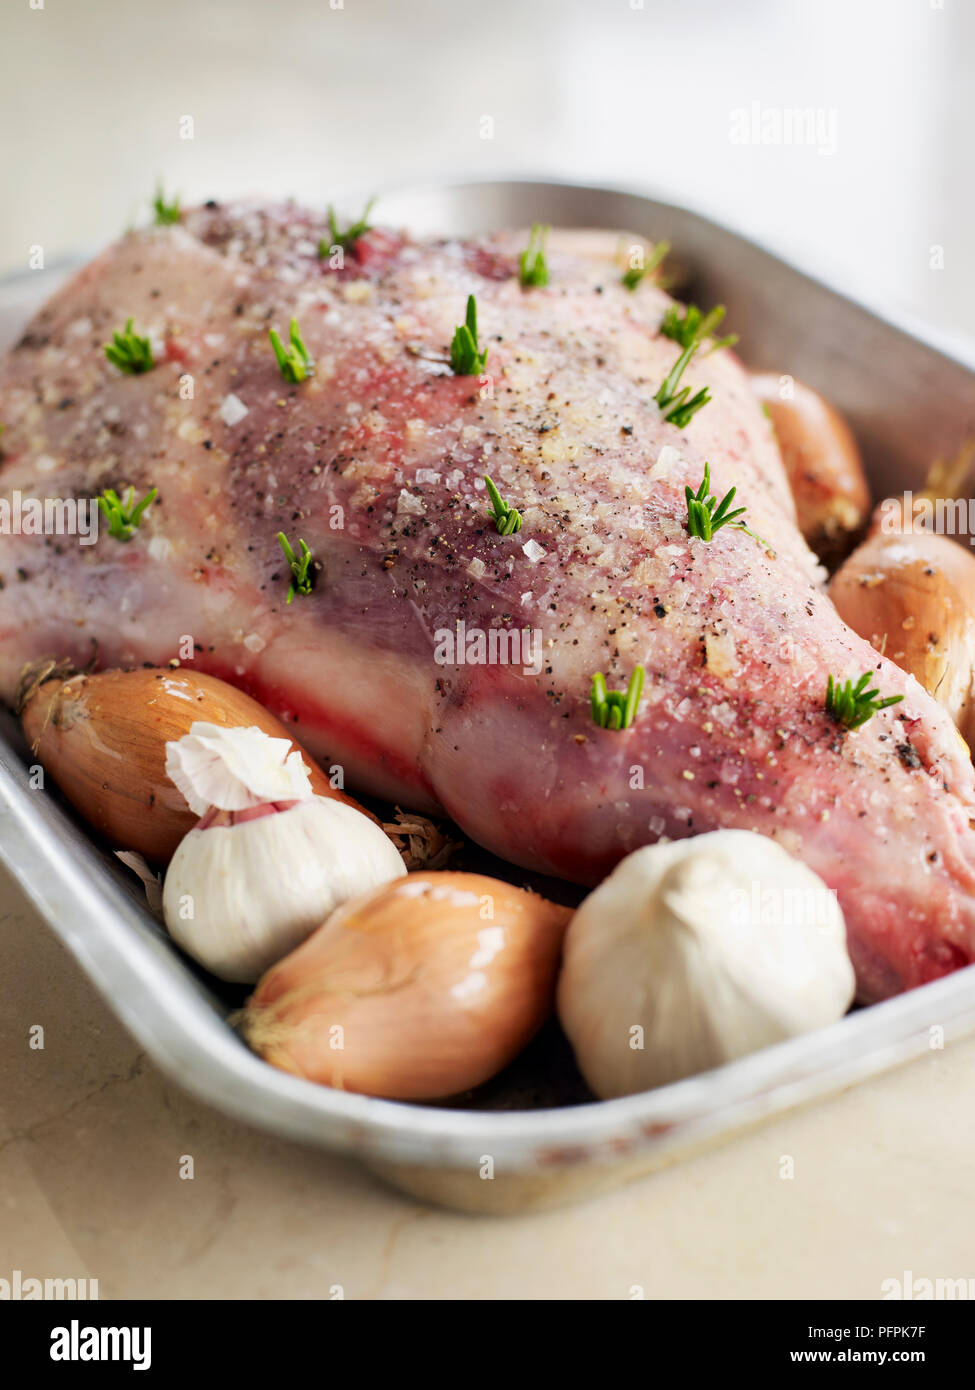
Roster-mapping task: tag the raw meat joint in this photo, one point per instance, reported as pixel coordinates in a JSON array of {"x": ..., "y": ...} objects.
[{"x": 375, "y": 457}]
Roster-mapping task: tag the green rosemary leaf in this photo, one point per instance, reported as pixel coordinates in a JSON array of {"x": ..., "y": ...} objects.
[
  {"x": 129, "y": 352},
  {"x": 465, "y": 357}
]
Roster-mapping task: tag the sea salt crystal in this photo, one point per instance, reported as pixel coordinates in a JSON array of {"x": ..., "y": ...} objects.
[
  {"x": 427, "y": 475},
  {"x": 666, "y": 459},
  {"x": 722, "y": 654},
  {"x": 534, "y": 551},
  {"x": 160, "y": 548},
  {"x": 254, "y": 642},
  {"x": 191, "y": 432},
  {"x": 232, "y": 409},
  {"x": 476, "y": 568},
  {"x": 409, "y": 505}
]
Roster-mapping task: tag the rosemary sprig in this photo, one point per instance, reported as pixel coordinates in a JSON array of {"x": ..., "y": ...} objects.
[
  {"x": 853, "y": 705},
  {"x": 633, "y": 276},
  {"x": 302, "y": 580},
  {"x": 674, "y": 404},
  {"x": 350, "y": 236},
  {"x": 294, "y": 363},
  {"x": 506, "y": 519},
  {"x": 694, "y": 327},
  {"x": 129, "y": 352},
  {"x": 705, "y": 515},
  {"x": 123, "y": 518},
  {"x": 616, "y": 709},
  {"x": 166, "y": 213},
  {"x": 533, "y": 270},
  {"x": 465, "y": 358}
]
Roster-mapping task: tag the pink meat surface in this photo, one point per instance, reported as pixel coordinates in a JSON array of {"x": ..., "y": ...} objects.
[{"x": 377, "y": 461}]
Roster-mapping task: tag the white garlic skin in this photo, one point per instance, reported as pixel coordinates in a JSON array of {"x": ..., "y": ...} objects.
[
  {"x": 714, "y": 947},
  {"x": 259, "y": 888}
]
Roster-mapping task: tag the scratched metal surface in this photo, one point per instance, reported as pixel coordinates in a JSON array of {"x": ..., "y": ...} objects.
[{"x": 910, "y": 399}]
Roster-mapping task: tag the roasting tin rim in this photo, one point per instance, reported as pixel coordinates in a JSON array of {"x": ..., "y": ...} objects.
[
  {"x": 957, "y": 346},
  {"x": 149, "y": 987}
]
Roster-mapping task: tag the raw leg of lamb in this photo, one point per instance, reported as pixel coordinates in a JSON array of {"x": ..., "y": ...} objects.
[{"x": 377, "y": 461}]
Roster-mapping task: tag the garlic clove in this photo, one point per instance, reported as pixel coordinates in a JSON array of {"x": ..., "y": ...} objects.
[
  {"x": 239, "y": 897},
  {"x": 697, "y": 952}
]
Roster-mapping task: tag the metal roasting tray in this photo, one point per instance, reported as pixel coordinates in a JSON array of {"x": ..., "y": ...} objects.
[{"x": 909, "y": 398}]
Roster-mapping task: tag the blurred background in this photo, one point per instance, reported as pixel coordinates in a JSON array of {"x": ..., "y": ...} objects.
[{"x": 686, "y": 98}]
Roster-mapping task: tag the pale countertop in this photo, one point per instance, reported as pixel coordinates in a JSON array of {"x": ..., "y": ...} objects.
[{"x": 306, "y": 98}]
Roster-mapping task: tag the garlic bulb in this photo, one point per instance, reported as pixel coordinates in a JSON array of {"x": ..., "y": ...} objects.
[
  {"x": 269, "y": 860},
  {"x": 697, "y": 952},
  {"x": 240, "y": 896}
]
